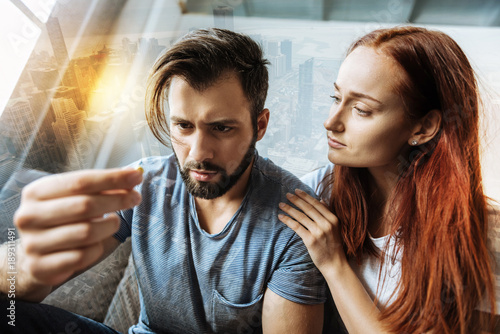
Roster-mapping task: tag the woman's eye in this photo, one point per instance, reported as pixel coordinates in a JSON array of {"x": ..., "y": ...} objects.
[
  {"x": 336, "y": 99},
  {"x": 361, "y": 112}
]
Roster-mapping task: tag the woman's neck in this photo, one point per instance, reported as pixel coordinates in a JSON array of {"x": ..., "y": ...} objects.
[{"x": 382, "y": 186}]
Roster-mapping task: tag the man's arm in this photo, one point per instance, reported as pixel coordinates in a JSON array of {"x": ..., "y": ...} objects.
[
  {"x": 279, "y": 315},
  {"x": 63, "y": 228}
]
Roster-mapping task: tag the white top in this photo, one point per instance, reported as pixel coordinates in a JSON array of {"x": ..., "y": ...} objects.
[{"x": 369, "y": 269}]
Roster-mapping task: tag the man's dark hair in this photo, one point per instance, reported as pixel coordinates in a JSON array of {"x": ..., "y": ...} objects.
[{"x": 201, "y": 58}]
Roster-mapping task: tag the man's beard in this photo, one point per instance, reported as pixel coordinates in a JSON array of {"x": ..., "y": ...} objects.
[{"x": 211, "y": 190}]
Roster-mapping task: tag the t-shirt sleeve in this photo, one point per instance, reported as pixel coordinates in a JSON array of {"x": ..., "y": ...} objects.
[
  {"x": 296, "y": 277},
  {"x": 125, "y": 230},
  {"x": 317, "y": 180}
]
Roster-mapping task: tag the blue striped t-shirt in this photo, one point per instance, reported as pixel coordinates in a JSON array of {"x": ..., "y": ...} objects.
[{"x": 194, "y": 282}]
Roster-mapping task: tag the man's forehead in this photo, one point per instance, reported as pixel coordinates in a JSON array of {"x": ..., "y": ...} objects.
[
  {"x": 202, "y": 86},
  {"x": 222, "y": 102}
]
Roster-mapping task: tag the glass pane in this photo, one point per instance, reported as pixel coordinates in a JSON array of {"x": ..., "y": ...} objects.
[
  {"x": 79, "y": 101},
  {"x": 17, "y": 40},
  {"x": 41, "y": 8}
]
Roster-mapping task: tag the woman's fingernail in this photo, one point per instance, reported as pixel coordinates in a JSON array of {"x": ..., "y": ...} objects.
[
  {"x": 299, "y": 192},
  {"x": 290, "y": 196},
  {"x": 282, "y": 205}
]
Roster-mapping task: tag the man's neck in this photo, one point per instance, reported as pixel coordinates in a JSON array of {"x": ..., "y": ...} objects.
[{"x": 214, "y": 214}]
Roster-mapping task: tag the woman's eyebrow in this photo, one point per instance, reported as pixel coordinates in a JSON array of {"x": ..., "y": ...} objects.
[{"x": 358, "y": 94}]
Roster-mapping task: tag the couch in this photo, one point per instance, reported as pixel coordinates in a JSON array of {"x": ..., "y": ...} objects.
[{"x": 106, "y": 293}]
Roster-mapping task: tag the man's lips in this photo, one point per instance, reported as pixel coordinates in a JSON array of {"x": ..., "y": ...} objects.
[
  {"x": 203, "y": 175},
  {"x": 335, "y": 143}
]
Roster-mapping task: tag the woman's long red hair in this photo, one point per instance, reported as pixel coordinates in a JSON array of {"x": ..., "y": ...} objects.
[{"x": 441, "y": 218}]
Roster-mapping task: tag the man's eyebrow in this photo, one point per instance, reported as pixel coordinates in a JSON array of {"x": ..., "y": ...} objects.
[
  {"x": 221, "y": 121},
  {"x": 224, "y": 121},
  {"x": 358, "y": 94},
  {"x": 176, "y": 119}
]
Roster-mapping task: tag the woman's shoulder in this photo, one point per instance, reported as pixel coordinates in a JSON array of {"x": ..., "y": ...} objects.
[
  {"x": 317, "y": 178},
  {"x": 494, "y": 234},
  {"x": 494, "y": 246},
  {"x": 494, "y": 224}
]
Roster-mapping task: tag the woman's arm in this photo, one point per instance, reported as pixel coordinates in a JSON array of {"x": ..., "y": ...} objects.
[{"x": 318, "y": 228}]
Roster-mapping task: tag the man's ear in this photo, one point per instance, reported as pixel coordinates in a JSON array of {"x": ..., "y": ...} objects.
[
  {"x": 426, "y": 128},
  {"x": 262, "y": 122}
]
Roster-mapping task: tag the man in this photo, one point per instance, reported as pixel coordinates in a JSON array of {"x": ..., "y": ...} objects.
[{"x": 209, "y": 251}]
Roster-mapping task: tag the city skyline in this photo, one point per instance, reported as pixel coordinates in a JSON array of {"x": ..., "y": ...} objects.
[
  {"x": 107, "y": 85},
  {"x": 78, "y": 85}
]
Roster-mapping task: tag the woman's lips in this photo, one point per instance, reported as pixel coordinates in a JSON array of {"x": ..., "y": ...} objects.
[{"x": 335, "y": 143}]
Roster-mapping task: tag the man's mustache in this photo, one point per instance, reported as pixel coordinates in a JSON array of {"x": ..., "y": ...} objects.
[{"x": 208, "y": 166}]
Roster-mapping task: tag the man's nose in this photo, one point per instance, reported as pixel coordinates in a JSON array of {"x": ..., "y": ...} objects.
[{"x": 202, "y": 147}]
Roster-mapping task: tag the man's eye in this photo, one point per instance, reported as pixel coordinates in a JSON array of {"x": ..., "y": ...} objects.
[
  {"x": 222, "y": 128},
  {"x": 182, "y": 125}
]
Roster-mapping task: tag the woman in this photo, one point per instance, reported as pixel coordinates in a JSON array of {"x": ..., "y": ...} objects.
[{"x": 403, "y": 240}]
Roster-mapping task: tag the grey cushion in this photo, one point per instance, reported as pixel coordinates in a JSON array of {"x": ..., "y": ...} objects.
[{"x": 125, "y": 306}]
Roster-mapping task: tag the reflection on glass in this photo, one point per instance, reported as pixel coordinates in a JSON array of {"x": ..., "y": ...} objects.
[{"x": 79, "y": 100}]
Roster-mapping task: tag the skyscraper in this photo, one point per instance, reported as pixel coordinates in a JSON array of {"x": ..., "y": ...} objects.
[
  {"x": 273, "y": 48},
  {"x": 70, "y": 131},
  {"x": 69, "y": 93},
  {"x": 223, "y": 17},
  {"x": 277, "y": 60},
  {"x": 286, "y": 49},
  {"x": 57, "y": 41},
  {"x": 44, "y": 79},
  {"x": 303, "y": 124},
  {"x": 60, "y": 52},
  {"x": 19, "y": 126}
]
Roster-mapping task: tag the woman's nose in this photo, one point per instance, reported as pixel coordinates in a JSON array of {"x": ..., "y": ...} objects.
[{"x": 334, "y": 121}]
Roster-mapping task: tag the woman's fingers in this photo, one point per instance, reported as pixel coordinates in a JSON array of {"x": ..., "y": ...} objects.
[
  {"x": 295, "y": 226},
  {"x": 316, "y": 225},
  {"x": 312, "y": 206},
  {"x": 307, "y": 215},
  {"x": 298, "y": 215},
  {"x": 317, "y": 214}
]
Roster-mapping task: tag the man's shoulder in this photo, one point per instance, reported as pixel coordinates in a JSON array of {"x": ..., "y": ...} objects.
[{"x": 270, "y": 175}]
